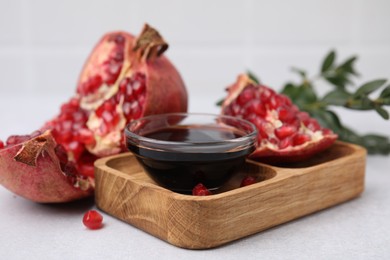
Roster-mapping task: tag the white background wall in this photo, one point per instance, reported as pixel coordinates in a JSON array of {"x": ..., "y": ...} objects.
[{"x": 43, "y": 43}]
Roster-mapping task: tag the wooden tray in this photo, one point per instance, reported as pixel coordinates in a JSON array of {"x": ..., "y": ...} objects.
[{"x": 285, "y": 193}]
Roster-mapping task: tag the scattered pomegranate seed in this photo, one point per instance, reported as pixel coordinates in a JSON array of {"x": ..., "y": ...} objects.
[
  {"x": 200, "y": 190},
  {"x": 1, "y": 144},
  {"x": 248, "y": 180},
  {"x": 93, "y": 219}
]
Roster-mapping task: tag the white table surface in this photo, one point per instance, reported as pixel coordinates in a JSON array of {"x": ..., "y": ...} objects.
[{"x": 358, "y": 229}]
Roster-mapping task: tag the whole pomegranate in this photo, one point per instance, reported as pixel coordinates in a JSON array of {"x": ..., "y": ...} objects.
[
  {"x": 124, "y": 78},
  {"x": 285, "y": 133}
]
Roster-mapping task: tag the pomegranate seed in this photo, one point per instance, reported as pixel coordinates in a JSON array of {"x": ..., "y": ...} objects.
[
  {"x": 76, "y": 148},
  {"x": 114, "y": 68},
  {"x": 313, "y": 125},
  {"x": 285, "y": 143},
  {"x": 108, "y": 106},
  {"x": 86, "y": 169},
  {"x": 256, "y": 107},
  {"x": 286, "y": 100},
  {"x": 110, "y": 78},
  {"x": 140, "y": 77},
  {"x": 141, "y": 98},
  {"x": 65, "y": 117},
  {"x": 79, "y": 117},
  {"x": 266, "y": 93},
  {"x": 285, "y": 114},
  {"x": 200, "y": 190},
  {"x": 62, "y": 136},
  {"x": 85, "y": 136},
  {"x": 275, "y": 101},
  {"x": 264, "y": 129},
  {"x": 236, "y": 109},
  {"x": 1, "y": 144},
  {"x": 303, "y": 116},
  {"x": 66, "y": 125},
  {"x": 129, "y": 95},
  {"x": 300, "y": 139},
  {"x": 123, "y": 85},
  {"x": 103, "y": 129},
  {"x": 136, "y": 110},
  {"x": 285, "y": 131},
  {"x": 66, "y": 108},
  {"x": 126, "y": 108},
  {"x": 119, "y": 39},
  {"x": 274, "y": 141},
  {"x": 118, "y": 56},
  {"x": 77, "y": 126},
  {"x": 91, "y": 84},
  {"x": 93, "y": 219},
  {"x": 248, "y": 180},
  {"x": 245, "y": 96},
  {"x": 107, "y": 117},
  {"x": 96, "y": 81},
  {"x": 99, "y": 110},
  {"x": 138, "y": 87},
  {"x": 327, "y": 131},
  {"x": 74, "y": 102}
]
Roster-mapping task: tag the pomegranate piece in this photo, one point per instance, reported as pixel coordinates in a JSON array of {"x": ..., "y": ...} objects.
[
  {"x": 93, "y": 219},
  {"x": 38, "y": 169},
  {"x": 248, "y": 180},
  {"x": 124, "y": 78},
  {"x": 285, "y": 133},
  {"x": 144, "y": 80},
  {"x": 1, "y": 144},
  {"x": 200, "y": 190}
]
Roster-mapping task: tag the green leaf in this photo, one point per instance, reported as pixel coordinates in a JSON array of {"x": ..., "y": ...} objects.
[
  {"x": 290, "y": 90},
  {"x": 350, "y": 136},
  {"x": 386, "y": 101},
  {"x": 376, "y": 144},
  {"x": 300, "y": 72},
  {"x": 328, "y": 119},
  {"x": 328, "y": 61},
  {"x": 308, "y": 94},
  {"x": 385, "y": 92},
  {"x": 220, "y": 102},
  {"x": 363, "y": 103},
  {"x": 337, "y": 80},
  {"x": 348, "y": 65},
  {"x": 369, "y": 87},
  {"x": 300, "y": 95},
  {"x": 253, "y": 77},
  {"x": 336, "y": 97},
  {"x": 382, "y": 112}
]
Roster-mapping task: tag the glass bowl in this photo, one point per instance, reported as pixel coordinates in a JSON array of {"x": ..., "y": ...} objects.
[{"x": 180, "y": 150}]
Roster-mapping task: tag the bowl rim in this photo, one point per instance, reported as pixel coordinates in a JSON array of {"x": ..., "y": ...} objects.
[{"x": 249, "y": 138}]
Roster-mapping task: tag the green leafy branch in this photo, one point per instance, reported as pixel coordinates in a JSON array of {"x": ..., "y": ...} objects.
[{"x": 340, "y": 77}]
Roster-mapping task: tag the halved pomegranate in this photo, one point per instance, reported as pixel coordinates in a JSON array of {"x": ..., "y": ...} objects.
[
  {"x": 285, "y": 133},
  {"x": 123, "y": 79}
]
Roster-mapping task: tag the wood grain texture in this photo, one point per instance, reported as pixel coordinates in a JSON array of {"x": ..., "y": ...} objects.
[{"x": 284, "y": 193}]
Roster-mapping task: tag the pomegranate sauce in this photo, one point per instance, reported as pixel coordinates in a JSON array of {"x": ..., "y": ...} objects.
[{"x": 201, "y": 162}]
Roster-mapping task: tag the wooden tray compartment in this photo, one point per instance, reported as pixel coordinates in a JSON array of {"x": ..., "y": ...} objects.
[{"x": 285, "y": 193}]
